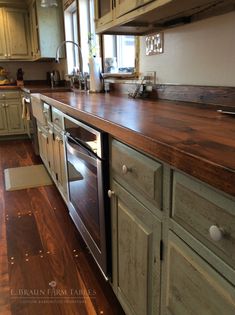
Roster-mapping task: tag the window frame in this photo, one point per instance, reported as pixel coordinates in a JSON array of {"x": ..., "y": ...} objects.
[{"x": 119, "y": 74}]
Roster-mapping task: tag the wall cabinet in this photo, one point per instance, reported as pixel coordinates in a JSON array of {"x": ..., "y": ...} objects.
[
  {"x": 14, "y": 34},
  {"x": 124, "y": 6},
  {"x": 104, "y": 12},
  {"x": 11, "y": 122},
  {"x": 144, "y": 17},
  {"x": 46, "y": 29}
]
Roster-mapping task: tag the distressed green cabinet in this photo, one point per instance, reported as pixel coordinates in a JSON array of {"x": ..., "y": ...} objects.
[
  {"x": 51, "y": 143},
  {"x": 11, "y": 122},
  {"x": 136, "y": 235},
  {"x": 60, "y": 162},
  {"x": 193, "y": 286},
  {"x": 136, "y": 230},
  {"x": 14, "y": 34},
  {"x": 43, "y": 144}
]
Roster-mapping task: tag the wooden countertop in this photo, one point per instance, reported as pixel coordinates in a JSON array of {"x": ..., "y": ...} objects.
[
  {"x": 190, "y": 137},
  {"x": 9, "y": 87},
  {"x": 35, "y": 88},
  {"x": 41, "y": 88}
]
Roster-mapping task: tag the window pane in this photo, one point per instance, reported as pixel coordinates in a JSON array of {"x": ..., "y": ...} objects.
[
  {"x": 119, "y": 53},
  {"x": 84, "y": 31},
  {"x": 75, "y": 37}
]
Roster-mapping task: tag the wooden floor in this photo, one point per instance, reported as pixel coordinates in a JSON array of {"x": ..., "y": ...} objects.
[{"x": 45, "y": 268}]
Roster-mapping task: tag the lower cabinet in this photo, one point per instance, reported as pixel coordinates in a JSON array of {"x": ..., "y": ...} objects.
[
  {"x": 11, "y": 116},
  {"x": 59, "y": 162},
  {"x": 52, "y": 153},
  {"x": 136, "y": 237},
  {"x": 193, "y": 286},
  {"x": 43, "y": 142}
]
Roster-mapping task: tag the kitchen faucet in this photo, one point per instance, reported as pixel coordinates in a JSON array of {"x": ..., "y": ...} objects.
[{"x": 82, "y": 78}]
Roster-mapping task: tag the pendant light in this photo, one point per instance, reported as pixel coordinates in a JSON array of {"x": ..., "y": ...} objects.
[{"x": 49, "y": 3}]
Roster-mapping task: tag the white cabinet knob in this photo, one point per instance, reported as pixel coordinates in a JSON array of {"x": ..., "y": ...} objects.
[
  {"x": 125, "y": 169},
  {"x": 216, "y": 233},
  {"x": 110, "y": 193}
]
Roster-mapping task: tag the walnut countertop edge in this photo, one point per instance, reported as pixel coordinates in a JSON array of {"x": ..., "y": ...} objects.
[{"x": 190, "y": 137}]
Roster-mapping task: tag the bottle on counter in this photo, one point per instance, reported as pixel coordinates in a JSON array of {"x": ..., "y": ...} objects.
[{"x": 19, "y": 77}]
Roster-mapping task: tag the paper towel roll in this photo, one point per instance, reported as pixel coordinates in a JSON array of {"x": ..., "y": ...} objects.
[{"x": 95, "y": 79}]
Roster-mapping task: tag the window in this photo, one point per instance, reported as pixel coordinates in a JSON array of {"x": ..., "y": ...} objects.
[
  {"x": 78, "y": 29},
  {"x": 71, "y": 33},
  {"x": 119, "y": 53}
]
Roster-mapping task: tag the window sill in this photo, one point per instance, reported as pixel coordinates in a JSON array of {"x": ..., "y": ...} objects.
[{"x": 108, "y": 75}]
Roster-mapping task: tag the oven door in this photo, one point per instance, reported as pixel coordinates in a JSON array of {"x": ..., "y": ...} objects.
[{"x": 86, "y": 198}]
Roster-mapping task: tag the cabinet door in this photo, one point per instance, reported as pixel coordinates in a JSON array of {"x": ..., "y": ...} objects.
[
  {"x": 17, "y": 33},
  {"x": 50, "y": 157},
  {"x": 3, "y": 48},
  {"x": 3, "y": 119},
  {"x": 50, "y": 29},
  {"x": 104, "y": 11},
  {"x": 14, "y": 116},
  {"x": 124, "y": 6},
  {"x": 60, "y": 164},
  {"x": 136, "y": 235},
  {"x": 34, "y": 30},
  {"x": 193, "y": 287},
  {"x": 43, "y": 146}
]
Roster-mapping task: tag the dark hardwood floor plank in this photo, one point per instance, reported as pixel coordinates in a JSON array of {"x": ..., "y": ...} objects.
[
  {"x": 4, "y": 276},
  {"x": 36, "y": 221},
  {"x": 23, "y": 237}
]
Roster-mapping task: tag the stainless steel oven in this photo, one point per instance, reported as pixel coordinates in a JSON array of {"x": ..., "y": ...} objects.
[{"x": 87, "y": 165}]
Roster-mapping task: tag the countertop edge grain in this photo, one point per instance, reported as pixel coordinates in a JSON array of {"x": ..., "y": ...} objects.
[{"x": 216, "y": 175}]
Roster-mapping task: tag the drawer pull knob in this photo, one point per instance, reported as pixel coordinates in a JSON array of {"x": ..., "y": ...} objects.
[
  {"x": 125, "y": 169},
  {"x": 110, "y": 193},
  {"x": 216, "y": 233}
]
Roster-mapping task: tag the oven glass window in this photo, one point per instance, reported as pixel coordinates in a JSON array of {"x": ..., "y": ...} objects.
[{"x": 83, "y": 189}]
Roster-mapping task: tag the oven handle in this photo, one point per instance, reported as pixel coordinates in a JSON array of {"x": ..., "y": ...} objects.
[
  {"x": 79, "y": 143},
  {"x": 90, "y": 159}
]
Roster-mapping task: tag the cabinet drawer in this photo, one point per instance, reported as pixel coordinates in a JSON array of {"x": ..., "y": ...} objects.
[
  {"x": 193, "y": 287},
  {"x": 57, "y": 117},
  {"x": 137, "y": 171},
  {"x": 9, "y": 94},
  {"x": 206, "y": 214}
]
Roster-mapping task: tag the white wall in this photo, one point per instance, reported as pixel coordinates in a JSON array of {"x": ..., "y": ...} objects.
[{"x": 201, "y": 53}]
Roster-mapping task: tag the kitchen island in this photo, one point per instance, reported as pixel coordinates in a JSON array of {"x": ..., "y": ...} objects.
[{"x": 172, "y": 198}]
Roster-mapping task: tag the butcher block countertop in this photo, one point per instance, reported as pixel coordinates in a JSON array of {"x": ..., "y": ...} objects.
[{"x": 191, "y": 137}]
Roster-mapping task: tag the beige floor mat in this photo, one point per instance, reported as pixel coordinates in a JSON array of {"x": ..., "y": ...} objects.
[{"x": 26, "y": 177}]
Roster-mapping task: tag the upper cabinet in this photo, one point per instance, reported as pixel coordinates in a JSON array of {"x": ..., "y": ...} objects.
[
  {"x": 124, "y": 6},
  {"x": 3, "y": 47},
  {"x": 46, "y": 29},
  {"x": 104, "y": 11},
  {"x": 14, "y": 35},
  {"x": 143, "y": 17}
]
